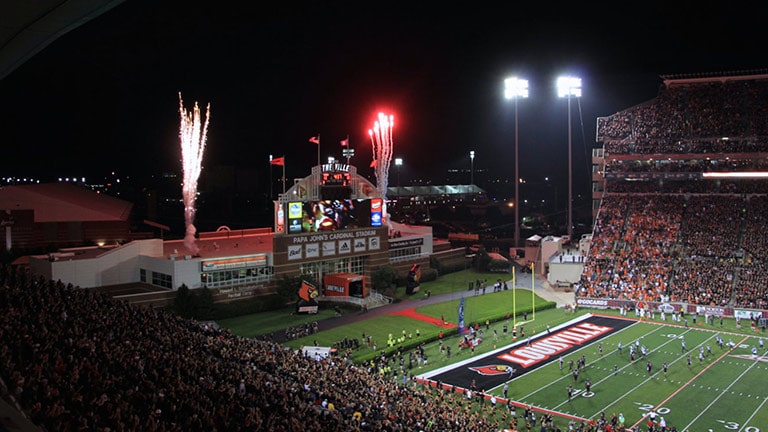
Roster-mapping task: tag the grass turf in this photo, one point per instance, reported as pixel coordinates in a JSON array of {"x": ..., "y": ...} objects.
[{"x": 722, "y": 392}]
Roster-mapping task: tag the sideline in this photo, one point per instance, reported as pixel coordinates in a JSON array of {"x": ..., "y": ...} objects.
[{"x": 426, "y": 380}]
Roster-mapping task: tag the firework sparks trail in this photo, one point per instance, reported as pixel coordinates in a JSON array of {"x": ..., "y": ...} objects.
[
  {"x": 193, "y": 138},
  {"x": 381, "y": 140}
]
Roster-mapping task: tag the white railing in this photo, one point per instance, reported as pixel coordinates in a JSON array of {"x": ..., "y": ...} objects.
[
  {"x": 380, "y": 299},
  {"x": 375, "y": 299}
]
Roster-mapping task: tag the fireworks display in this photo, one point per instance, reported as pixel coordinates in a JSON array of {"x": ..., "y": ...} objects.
[
  {"x": 192, "y": 134},
  {"x": 381, "y": 140}
]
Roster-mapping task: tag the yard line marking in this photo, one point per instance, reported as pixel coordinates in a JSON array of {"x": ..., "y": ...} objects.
[
  {"x": 755, "y": 411},
  {"x": 630, "y": 364},
  {"x": 647, "y": 379},
  {"x": 721, "y": 394},
  {"x": 568, "y": 376},
  {"x": 693, "y": 378}
]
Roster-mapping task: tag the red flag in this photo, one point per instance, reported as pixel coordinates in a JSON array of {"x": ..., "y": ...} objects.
[
  {"x": 278, "y": 161},
  {"x": 315, "y": 139},
  {"x": 345, "y": 142},
  {"x": 374, "y": 163}
]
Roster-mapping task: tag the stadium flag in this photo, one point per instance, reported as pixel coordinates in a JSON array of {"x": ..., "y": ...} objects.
[
  {"x": 374, "y": 163},
  {"x": 461, "y": 316},
  {"x": 278, "y": 161},
  {"x": 345, "y": 142},
  {"x": 316, "y": 140}
]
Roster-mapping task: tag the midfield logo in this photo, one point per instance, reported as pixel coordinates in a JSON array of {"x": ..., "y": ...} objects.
[{"x": 494, "y": 370}]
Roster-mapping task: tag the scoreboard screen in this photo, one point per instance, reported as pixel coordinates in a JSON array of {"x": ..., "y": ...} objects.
[
  {"x": 336, "y": 178},
  {"x": 331, "y": 215}
]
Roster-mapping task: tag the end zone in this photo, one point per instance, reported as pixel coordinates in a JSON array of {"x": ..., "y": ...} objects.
[{"x": 501, "y": 365}]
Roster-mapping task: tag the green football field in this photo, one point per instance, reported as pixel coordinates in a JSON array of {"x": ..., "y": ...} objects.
[{"x": 723, "y": 391}]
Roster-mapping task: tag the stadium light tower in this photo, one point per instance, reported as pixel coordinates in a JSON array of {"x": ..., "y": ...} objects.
[
  {"x": 568, "y": 87},
  {"x": 515, "y": 88},
  {"x": 398, "y": 164},
  {"x": 471, "y": 168}
]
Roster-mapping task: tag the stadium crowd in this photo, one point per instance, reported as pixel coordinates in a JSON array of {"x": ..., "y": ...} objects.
[
  {"x": 669, "y": 233},
  {"x": 700, "y": 249},
  {"x": 685, "y": 117},
  {"x": 73, "y": 359}
]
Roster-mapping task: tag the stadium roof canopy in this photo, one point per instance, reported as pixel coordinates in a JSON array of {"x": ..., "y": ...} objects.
[
  {"x": 63, "y": 202},
  {"x": 30, "y": 26}
]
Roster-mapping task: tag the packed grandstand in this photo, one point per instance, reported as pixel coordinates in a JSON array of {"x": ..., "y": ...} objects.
[
  {"x": 74, "y": 359},
  {"x": 685, "y": 202}
]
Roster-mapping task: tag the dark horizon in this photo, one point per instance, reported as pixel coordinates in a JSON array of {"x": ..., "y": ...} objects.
[{"x": 104, "y": 97}]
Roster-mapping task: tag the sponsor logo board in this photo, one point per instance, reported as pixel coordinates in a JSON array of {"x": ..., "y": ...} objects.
[
  {"x": 373, "y": 243},
  {"x": 312, "y": 250},
  {"x": 294, "y": 252},
  {"x": 329, "y": 248},
  {"x": 592, "y": 302}
]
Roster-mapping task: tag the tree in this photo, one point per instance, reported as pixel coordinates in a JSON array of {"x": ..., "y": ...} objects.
[
  {"x": 384, "y": 280},
  {"x": 482, "y": 260},
  {"x": 204, "y": 305},
  {"x": 184, "y": 303}
]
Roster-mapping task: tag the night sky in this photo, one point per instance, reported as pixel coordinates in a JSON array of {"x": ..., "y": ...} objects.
[{"x": 104, "y": 97}]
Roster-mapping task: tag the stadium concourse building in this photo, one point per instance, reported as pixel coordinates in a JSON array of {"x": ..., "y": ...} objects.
[
  {"x": 331, "y": 225},
  {"x": 38, "y": 216}
]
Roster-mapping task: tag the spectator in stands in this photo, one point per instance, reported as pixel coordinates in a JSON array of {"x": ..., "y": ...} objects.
[{"x": 75, "y": 359}]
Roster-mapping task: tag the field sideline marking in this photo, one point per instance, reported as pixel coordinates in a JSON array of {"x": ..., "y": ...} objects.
[
  {"x": 657, "y": 372},
  {"x": 554, "y": 362},
  {"x": 724, "y": 390},
  {"x": 426, "y": 378},
  {"x": 569, "y": 376},
  {"x": 693, "y": 378},
  {"x": 649, "y": 377},
  {"x": 757, "y": 410},
  {"x": 517, "y": 342}
]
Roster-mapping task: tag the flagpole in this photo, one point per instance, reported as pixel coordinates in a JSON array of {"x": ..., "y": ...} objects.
[
  {"x": 318, "y": 149},
  {"x": 533, "y": 292},
  {"x": 348, "y": 149},
  {"x": 283, "y": 176}
]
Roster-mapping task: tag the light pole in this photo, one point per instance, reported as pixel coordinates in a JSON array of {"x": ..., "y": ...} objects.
[
  {"x": 515, "y": 88},
  {"x": 398, "y": 164},
  {"x": 471, "y": 168},
  {"x": 347, "y": 153},
  {"x": 568, "y": 86},
  {"x": 271, "y": 180}
]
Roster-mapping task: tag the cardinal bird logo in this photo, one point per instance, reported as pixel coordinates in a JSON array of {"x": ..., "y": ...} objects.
[
  {"x": 492, "y": 370},
  {"x": 307, "y": 292}
]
